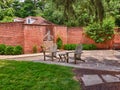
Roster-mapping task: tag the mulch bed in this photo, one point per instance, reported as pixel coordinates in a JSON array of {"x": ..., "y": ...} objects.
[{"x": 105, "y": 86}]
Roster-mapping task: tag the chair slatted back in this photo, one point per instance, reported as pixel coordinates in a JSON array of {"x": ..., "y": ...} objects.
[
  {"x": 78, "y": 49},
  {"x": 53, "y": 49}
]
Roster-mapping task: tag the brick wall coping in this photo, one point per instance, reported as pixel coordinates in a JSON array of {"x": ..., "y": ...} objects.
[
  {"x": 37, "y": 25},
  {"x": 9, "y": 22}
]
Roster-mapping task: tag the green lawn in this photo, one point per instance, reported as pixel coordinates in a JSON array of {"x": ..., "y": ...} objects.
[{"x": 21, "y": 75}]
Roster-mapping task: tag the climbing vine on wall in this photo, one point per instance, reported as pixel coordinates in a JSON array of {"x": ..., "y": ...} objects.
[{"x": 101, "y": 32}]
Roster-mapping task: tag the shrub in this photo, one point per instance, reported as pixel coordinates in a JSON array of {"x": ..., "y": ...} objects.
[
  {"x": 101, "y": 32},
  {"x": 89, "y": 47},
  {"x": 18, "y": 50},
  {"x": 70, "y": 46},
  {"x": 2, "y": 49},
  {"x": 34, "y": 49},
  {"x": 9, "y": 50},
  {"x": 59, "y": 43}
]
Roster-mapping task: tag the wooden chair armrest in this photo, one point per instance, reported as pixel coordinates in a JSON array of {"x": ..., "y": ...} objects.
[
  {"x": 78, "y": 52},
  {"x": 70, "y": 52}
]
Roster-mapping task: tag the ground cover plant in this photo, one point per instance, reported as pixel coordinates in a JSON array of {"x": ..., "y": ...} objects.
[{"x": 21, "y": 75}]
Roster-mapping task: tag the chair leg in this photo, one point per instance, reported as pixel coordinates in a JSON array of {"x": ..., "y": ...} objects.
[
  {"x": 81, "y": 59},
  {"x": 44, "y": 56},
  {"x": 52, "y": 56},
  {"x": 67, "y": 57},
  {"x": 75, "y": 58},
  {"x": 60, "y": 58}
]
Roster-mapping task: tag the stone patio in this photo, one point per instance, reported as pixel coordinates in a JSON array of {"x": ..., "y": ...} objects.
[{"x": 94, "y": 59}]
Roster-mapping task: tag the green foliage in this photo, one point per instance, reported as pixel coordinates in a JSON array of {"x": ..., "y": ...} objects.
[
  {"x": 70, "y": 13},
  {"x": 89, "y": 47},
  {"x": 117, "y": 21},
  {"x": 70, "y": 46},
  {"x": 2, "y": 49},
  {"x": 59, "y": 43},
  {"x": 18, "y": 50},
  {"x": 6, "y": 10},
  {"x": 26, "y": 8},
  {"x": 16, "y": 75},
  {"x": 84, "y": 47},
  {"x": 34, "y": 49},
  {"x": 101, "y": 32},
  {"x": 7, "y": 19},
  {"x": 9, "y": 50}
]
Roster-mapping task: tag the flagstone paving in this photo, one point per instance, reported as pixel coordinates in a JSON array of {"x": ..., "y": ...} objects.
[
  {"x": 98, "y": 79},
  {"x": 118, "y": 76},
  {"x": 89, "y": 80},
  {"x": 110, "y": 78}
]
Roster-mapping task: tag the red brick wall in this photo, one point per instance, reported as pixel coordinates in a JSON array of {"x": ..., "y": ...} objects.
[
  {"x": 33, "y": 36},
  {"x": 105, "y": 45},
  {"x": 11, "y": 33},
  {"x": 116, "y": 42},
  {"x": 60, "y": 31},
  {"x": 28, "y": 36},
  {"x": 74, "y": 35}
]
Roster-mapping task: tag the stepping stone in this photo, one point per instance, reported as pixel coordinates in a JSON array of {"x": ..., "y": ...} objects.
[
  {"x": 110, "y": 78},
  {"x": 90, "y": 80},
  {"x": 118, "y": 76}
]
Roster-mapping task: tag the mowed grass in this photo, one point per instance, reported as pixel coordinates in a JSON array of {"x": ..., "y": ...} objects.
[{"x": 21, "y": 75}]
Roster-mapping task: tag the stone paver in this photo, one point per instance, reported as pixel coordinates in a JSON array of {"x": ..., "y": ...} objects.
[
  {"x": 110, "y": 78},
  {"x": 118, "y": 76},
  {"x": 90, "y": 80}
]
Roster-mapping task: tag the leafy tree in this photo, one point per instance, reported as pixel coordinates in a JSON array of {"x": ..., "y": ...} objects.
[
  {"x": 52, "y": 14},
  {"x": 28, "y": 8},
  {"x": 6, "y": 9},
  {"x": 95, "y": 7},
  {"x": 83, "y": 12},
  {"x": 7, "y": 19},
  {"x": 24, "y": 9},
  {"x": 62, "y": 12}
]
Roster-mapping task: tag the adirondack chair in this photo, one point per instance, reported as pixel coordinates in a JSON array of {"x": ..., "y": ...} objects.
[
  {"x": 77, "y": 54},
  {"x": 50, "y": 52}
]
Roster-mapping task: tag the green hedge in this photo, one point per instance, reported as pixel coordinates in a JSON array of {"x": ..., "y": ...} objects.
[
  {"x": 70, "y": 46},
  {"x": 2, "y": 49},
  {"x": 18, "y": 50},
  {"x": 89, "y": 47},
  {"x": 85, "y": 46},
  {"x": 10, "y": 50}
]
